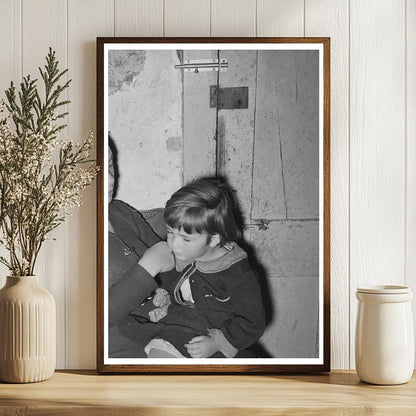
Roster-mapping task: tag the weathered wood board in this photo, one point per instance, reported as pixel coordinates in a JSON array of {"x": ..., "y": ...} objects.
[
  {"x": 286, "y": 150},
  {"x": 200, "y": 121},
  {"x": 269, "y": 201},
  {"x": 293, "y": 330},
  {"x": 288, "y": 248},
  {"x": 236, "y": 126}
]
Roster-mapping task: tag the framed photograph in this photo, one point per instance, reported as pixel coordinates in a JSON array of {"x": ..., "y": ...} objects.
[{"x": 184, "y": 286}]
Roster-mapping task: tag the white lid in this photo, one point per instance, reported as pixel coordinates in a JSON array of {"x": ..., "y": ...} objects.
[{"x": 384, "y": 289}]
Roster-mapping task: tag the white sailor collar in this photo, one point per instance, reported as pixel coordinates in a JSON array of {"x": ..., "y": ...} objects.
[{"x": 233, "y": 255}]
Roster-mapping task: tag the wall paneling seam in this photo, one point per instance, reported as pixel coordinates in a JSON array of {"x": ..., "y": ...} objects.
[
  {"x": 349, "y": 186},
  {"x": 405, "y": 144},
  {"x": 304, "y": 17},
  {"x": 163, "y": 18},
  {"x": 210, "y": 18},
  {"x": 21, "y": 40},
  {"x": 67, "y": 231}
]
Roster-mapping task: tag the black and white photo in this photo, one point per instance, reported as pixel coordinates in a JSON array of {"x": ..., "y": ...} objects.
[{"x": 213, "y": 205}]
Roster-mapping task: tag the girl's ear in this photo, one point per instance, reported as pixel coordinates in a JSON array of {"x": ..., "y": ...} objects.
[{"x": 215, "y": 240}]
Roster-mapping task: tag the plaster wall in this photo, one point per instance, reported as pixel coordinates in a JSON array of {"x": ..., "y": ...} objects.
[{"x": 145, "y": 121}]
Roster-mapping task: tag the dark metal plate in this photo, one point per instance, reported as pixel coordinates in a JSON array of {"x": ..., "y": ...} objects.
[{"x": 228, "y": 98}]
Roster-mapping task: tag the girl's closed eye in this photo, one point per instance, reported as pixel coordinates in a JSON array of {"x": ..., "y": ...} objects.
[{"x": 169, "y": 231}]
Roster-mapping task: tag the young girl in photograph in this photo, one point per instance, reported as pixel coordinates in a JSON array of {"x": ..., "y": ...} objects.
[{"x": 210, "y": 305}]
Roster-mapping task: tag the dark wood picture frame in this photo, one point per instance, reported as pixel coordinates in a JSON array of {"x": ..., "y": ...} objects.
[{"x": 251, "y": 366}]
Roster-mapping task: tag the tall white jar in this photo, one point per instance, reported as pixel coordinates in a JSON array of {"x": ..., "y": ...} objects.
[{"x": 384, "y": 338}]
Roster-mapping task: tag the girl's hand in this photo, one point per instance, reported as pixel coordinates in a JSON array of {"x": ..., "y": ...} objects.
[
  {"x": 161, "y": 298},
  {"x": 157, "y": 314},
  {"x": 201, "y": 347}
]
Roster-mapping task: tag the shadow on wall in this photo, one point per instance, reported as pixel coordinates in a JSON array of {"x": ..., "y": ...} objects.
[
  {"x": 259, "y": 349},
  {"x": 113, "y": 148}
]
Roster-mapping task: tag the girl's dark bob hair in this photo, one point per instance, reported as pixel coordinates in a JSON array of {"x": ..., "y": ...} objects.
[{"x": 204, "y": 206}]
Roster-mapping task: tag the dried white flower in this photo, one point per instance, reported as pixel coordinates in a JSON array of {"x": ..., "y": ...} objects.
[{"x": 42, "y": 176}]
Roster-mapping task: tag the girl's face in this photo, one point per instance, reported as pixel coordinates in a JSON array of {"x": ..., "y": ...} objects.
[{"x": 189, "y": 247}]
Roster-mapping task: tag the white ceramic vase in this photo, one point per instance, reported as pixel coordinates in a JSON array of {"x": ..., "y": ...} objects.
[
  {"x": 27, "y": 331},
  {"x": 384, "y": 340}
]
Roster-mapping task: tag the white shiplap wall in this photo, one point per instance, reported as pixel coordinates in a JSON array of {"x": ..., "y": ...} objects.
[{"x": 373, "y": 132}]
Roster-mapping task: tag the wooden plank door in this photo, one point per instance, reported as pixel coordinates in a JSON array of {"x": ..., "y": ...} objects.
[
  {"x": 268, "y": 152},
  {"x": 285, "y": 197},
  {"x": 199, "y": 119}
]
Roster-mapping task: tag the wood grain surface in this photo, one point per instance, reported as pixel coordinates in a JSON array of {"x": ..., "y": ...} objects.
[{"x": 84, "y": 392}]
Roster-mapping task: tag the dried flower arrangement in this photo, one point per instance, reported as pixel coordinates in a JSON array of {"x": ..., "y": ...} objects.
[{"x": 41, "y": 175}]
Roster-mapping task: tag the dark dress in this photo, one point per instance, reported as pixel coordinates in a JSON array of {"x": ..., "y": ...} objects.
[{"x": 226, "y": 300}]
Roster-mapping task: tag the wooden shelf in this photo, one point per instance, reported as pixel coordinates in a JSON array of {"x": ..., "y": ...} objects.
[{"x": 85, "y": 393}]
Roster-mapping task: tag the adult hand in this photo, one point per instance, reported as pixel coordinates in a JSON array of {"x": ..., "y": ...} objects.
[
  {"x": 158, "y": 259},
  {"x": 201, "y": 347}
]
